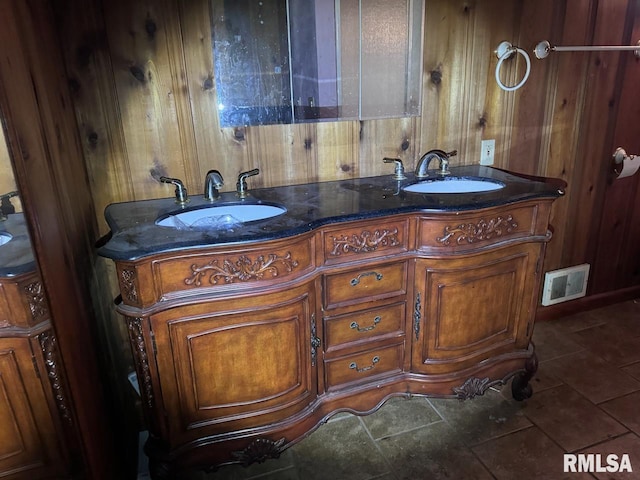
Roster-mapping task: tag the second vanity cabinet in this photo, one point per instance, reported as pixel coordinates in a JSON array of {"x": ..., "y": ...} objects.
[
  {"x": 242, "y": 350},
  {"x": 35, "y": 416}
]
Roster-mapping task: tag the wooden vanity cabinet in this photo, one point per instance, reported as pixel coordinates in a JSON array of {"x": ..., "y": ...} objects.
[
  {"x": 34, "y": 414},
  {"x": 242, "y": 350},
  {"x": 234, "y": 363},
  {"x": 473, "y": 307}
]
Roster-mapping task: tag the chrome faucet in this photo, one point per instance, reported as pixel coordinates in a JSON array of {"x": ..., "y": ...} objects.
[
  {"x": 241, "y": 186},
  {"x": 181, "y": 192},
  {"x": 212, "y": 182},
  {"x": 423, "y": 164}
]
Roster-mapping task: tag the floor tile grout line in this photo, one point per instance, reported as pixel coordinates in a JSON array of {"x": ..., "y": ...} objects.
[
  {"x": 377, "y": 447},
  {"x": 608, "y": 439},
  {"x": 563, "y": 355},
  {"x": 486, "y": 467},
  {"x": 595, "y": 405},
  {"x": 408, "y": 431}
]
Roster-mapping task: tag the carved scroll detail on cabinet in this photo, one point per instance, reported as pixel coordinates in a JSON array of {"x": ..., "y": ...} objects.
[
  {"x": 128, "y": 285},
  {"x": 315, "y": 341},
  {"x": 49, "y": 346},
  {"x": 417, "y": 316},
  {"x": 142, "y": 359},
  {"x": 259, "y": 450},
  {"x": 483, "y": 230},
  {"x": 365, "y": 242},
  {"x": 472, "y": 387},
  {"x": 243, "y": 269},
  {"x": 36, "y": 300}
]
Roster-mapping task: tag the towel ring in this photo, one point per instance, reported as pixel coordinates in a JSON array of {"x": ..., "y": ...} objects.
[{"x": 504, "y": 51}]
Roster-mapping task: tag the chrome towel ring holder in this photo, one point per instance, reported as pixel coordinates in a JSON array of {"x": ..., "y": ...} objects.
[{"x": 504, "y": 51}]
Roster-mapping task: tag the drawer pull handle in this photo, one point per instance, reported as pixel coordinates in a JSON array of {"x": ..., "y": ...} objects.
[
  {"x": 356, "y": 281},
  {"x": 355, "y": 326},
  {"x": 354, "y": 365}
]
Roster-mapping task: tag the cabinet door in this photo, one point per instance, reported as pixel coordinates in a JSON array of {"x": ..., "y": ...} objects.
[
  {"x": 235, "y": 363},
  {"x": 27, "y": 436},
  {"x": 472, "y": 308}
]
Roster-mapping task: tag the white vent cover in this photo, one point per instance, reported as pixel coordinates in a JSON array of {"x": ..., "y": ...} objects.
[{"x": 565, "y": 284}]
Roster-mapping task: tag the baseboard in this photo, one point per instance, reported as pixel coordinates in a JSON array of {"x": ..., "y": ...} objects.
[{"x": 589, "y": 302}]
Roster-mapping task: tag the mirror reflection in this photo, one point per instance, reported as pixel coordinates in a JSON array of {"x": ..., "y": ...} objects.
[
  {"x": 16, "y": 256},
  {"x": 290, "y": 61}
]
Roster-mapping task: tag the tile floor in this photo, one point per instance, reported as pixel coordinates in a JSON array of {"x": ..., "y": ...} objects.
[{"x": 586, "y": 399}]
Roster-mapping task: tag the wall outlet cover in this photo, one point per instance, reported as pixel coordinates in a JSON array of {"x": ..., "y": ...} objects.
[{"x": 487, "y": 152}]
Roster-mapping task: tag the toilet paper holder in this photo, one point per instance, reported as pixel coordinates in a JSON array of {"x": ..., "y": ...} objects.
[
  {"x": 620, "y": 155},
  {"x": 625, "y": 165}
]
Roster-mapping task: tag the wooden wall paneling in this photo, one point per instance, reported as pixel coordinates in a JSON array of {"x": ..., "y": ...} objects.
[
  {"x": 53, "y": 183},
  {"x": 337, "y": 147},
  {"x": 88, "y": 65},
  {"x": 81, "y": 27},
  {"x": 478, "y": 62},
  {"x": 498, "y": 109},
  {"x": 390, "y": 137},
  {"x": 179, "y": 87},
  {"x": 445, "y": 39},
  {"x": 537, "y": 23},
  {"x": 617, "y": 254},
  {"x": 216, "y": 148},
  {"x": 627, "y": 134},
  {"x": 558, "y": 159},
  {"x": 594, "y": 137},
  {"x": 285, "y": 154},
  {"x": 141, "y": 45}
]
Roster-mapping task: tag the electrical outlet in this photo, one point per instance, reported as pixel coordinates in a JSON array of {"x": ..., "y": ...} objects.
[{"x": 487, "y": 149}]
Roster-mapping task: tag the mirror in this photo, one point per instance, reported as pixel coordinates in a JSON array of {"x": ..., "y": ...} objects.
[
  {"x": 291, "y": 61},
  {"x": 16, "y": 255}
]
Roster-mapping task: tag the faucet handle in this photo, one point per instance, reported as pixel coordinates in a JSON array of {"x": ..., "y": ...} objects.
[
  {"x": 444, "y": 162},
  {"x": 399, "y": 171},
  {"x": 181, "y": 192},
  {"x": 6, "y": 208},
  {"x": 241, "y": 186}
]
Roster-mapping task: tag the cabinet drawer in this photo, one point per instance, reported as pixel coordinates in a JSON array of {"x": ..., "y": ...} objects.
[
  {"x": 363, "y": 325},
  {"x": 366, "y": 283},
  {"x": 361, "y": 366},
  {"x": 365, "y": 240},
  {"x": 233, "y": 268},
  {"x": 459, "y": 233}
]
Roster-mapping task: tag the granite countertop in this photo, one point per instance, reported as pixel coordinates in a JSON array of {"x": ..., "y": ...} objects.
[
  {"x": 134, "y": 233},
  {"x": 16, "y": 256}
]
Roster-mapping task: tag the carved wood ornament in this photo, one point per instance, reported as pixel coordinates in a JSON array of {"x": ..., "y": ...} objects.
[
  {"x": 242, "y": 269},
  {"x": 142, "y": 359},
  {"x": 128, "y": 285},
  {"x": 473, "y": 387},
  {"x": 483, "y": 230},
  {"x": 365, "y": 242},
  {"x": 259, "y": 450},
  {"x": 49, "y": 346},
  {"x": 37, "y": 301}
]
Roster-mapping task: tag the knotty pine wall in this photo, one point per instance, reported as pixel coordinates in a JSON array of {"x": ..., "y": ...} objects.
[{"x": 141, "y": 76}]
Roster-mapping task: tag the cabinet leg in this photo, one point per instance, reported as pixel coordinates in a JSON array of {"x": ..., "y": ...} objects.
[
  {"x": 159, "y": 470},
  {"x": 520, "y": 387},
  {"x": 159, "y": 467}
]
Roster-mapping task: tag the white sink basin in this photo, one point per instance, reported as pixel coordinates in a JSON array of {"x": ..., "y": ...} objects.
[
  {"x": 455, "y": 185},
  {"x": 220, "y": 215},
  {"x": 5, "y": 237}
]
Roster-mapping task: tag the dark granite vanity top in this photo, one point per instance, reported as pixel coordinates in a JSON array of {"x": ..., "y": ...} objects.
[
  {"x": 134, "y": 233},
  {"x": 16, "y": 256}
]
